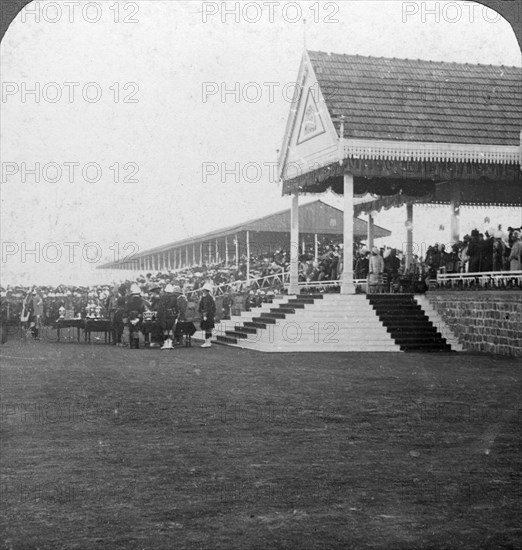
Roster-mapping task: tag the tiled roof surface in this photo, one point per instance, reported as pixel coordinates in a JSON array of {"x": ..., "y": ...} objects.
[{"x": 415, "y": 100}]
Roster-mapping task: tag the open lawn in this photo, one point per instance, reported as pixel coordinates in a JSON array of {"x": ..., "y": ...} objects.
[{"x": 108, "y": 448}]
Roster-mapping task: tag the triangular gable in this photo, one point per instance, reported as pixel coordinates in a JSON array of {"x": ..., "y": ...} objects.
[
  {"x": 310, "y": 140},
  {"x": 311, "y": 121}
]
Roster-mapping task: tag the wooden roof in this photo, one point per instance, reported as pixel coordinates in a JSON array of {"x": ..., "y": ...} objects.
[
  {"x": 314, "y": 217},
  {"x": 416, "y": 100}
]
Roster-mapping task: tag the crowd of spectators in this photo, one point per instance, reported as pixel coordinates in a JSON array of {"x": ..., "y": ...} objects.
[{"x": 475, "y": 253}]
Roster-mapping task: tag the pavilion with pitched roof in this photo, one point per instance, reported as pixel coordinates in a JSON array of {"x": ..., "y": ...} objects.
[{"x": 391, "y": 132}]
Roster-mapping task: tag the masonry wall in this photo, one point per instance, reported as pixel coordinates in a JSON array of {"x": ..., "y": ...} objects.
[{"x": 484, "y": 321}]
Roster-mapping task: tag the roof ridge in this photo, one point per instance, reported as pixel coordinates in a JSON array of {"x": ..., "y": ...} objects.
[{"x": 411, "y": 59}]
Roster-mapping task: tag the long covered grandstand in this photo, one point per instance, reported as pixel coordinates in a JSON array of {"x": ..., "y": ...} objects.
[{"x": 253, "y": 239}]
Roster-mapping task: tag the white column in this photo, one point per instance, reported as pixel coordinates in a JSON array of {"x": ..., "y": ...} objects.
[
  {"x": 248, "y": 255},
  {"x": 409, "y": 235},
  {"x": 347, "y": 286},
  {"x": 316, "y": 247},
  {"x": 186, "y": 256},
  {"x": 455, "y": 212},
  {"x": 226, "y": 250},
  {"x": 200, "y": 253},
  {"x": 193, "y": 255},
  {"x": 237, "y": 250},
  {"x": 371, "y": 231},
  {"x": 294, "y": 245},
  {"x": 217, "y": 251}
]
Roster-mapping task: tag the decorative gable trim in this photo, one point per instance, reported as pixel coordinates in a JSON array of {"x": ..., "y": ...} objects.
[{"x": 429, "y": 151}]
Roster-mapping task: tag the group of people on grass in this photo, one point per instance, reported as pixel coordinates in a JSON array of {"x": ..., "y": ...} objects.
[{"x": 160, "y": 316}]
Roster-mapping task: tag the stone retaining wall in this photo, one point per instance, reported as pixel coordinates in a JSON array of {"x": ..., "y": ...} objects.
[{"x": 486, "y": 321}]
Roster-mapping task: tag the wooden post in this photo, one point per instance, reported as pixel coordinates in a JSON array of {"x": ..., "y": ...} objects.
[
  {"x": 347, "y": 286},
  {"x": 316, "y": 248},
  {"x": 294, "y": 245}
]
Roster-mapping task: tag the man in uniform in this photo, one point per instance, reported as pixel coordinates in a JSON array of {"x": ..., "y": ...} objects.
[
  {"x": 207, "y": 310},
  {"x": 134, "y": 310},
  {"x": 167, "y": 315}
]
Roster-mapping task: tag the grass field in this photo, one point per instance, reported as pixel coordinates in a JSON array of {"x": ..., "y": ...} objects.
[{"x": 221, "y": 448}]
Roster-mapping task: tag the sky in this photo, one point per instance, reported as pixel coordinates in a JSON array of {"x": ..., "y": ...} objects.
[{"x": 126, "y": 125}]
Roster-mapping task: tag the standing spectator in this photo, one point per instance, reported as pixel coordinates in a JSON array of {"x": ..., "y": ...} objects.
[
  {"x": 486, "y": 263},
  {"x": 474, "y": 250},
  {"x": 207, "y": 309},
  {"x": 515, "y": 257},
  {"x": 111, "y": 304},
  {"x": 499, "y": 251},
  {"x": 391, "y": 266},
  {"x": 38, "y": 312},
  {"x": 250, "y": 300},
  {"x": 228, "y": 302},
  {"x": 134, "y": 307},
  {"x": 180, "y": 301},
  {"x": 376, "y": 268},
  {"x": 27, "y": 315},
  {"x": 167, "y": 315},
  {"x": 452, "y": 260},
  {"x": 118, "y": 324},
  {"x": 464, "y": 256},
  {"x": 433, "y": 260}
]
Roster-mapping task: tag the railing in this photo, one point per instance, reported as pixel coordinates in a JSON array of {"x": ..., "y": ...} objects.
[
  {"x": 326, "y": 286},
  {"x": 237, "y": 286},
  {"x": 496, "y": 279}
]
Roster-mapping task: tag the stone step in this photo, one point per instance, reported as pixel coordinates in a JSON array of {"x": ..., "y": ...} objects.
[
  {"x": 420, "y": 318},
  {"x": 266, "y": 320},
  {"x": 225, "y": 340},
  {"x": 423, "y": 331},
  {"x": 253, "y": 324},
  {"x": 246, "y": 329},
  {"x": 415, "y": 339},
  {"x": 236, "y": 334},
  {"x": 286, "y": 309},
  {"x": 361, "y": 347},
  {"x": 273, "y": 315},
  {"x": 427, "y": 348}
]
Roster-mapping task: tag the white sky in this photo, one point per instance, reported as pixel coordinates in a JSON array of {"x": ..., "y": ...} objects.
[{"x": 170, "y": 132}]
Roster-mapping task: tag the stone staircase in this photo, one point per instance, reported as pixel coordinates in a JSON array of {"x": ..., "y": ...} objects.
[
  {"x": 407, "y": 323},
  {"x": 321, "y": 322}
]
